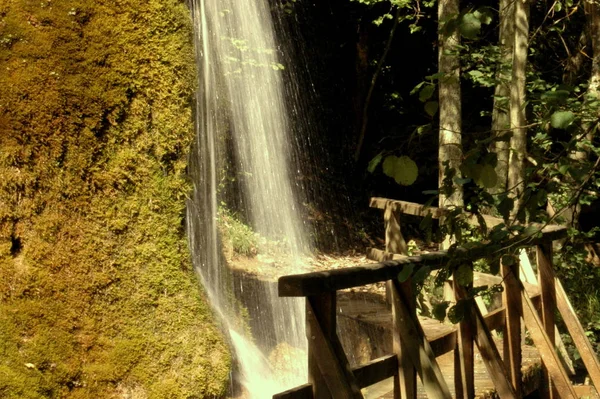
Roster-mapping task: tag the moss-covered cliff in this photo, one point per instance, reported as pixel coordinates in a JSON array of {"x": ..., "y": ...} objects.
[{"x": 97, "y": 295}]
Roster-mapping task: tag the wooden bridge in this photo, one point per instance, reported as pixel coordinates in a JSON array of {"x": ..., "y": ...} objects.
[{"x": 445, "y": 363}]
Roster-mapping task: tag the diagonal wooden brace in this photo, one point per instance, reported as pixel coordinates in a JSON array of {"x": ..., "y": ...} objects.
[
  {"x": 417, "y": 347},
  {"x": 333, "y": 365}
]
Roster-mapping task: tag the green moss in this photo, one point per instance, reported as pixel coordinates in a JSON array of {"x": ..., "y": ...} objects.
[{"x": 97, "y": 294}]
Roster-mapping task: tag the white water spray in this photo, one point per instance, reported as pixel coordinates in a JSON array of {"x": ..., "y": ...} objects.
[{"x": 242, "y": 126}]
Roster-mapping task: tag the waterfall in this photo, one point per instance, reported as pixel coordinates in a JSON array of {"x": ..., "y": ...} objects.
[{"x": 242, "y": 130}]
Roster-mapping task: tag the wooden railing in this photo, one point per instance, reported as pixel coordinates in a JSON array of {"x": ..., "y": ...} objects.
[{"x": 330, "y": 373}]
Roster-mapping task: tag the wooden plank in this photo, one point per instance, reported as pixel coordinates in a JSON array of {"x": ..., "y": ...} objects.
[
  {"x": 318, "y": 282},
  {"x": 548, "y": 292},
  {"x": 546, "y": 349},
  {"x": 379, "y": 255},
  {"x": 418, "y": 348},
  {"x": 332, "y": 280},
  {"x": 491, "y": 358},
  {"x": 405, "y": 380},
  {"x": 464, "y": 361},
  {"x": 511, "y": 298},
  {"x": 376, "y": 370},
  {"x": 329, "y": 371},
  {"x": 527, "y": 275},
  {"x": 582, "y": 343},
  {"x": 585, "y": 391},
  {"x": 327, "y": 322},
  {"x": 409, "y": 208},
  {"x": 300, "y": 392},
  {"x": 394, "y": 241}
]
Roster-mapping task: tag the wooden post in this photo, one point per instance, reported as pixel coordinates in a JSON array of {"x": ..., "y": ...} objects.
[
  {"x": 329, "y": 371},
  {"x": 491, "y": 358},
  {"x": 582, "y": 343},
  {"x": 417, "y": 347},
  {"x": 512, "y": 327},
  {"x": 548, "y": 292},
  {"x": 394, "y": 241},
  {"x": 324, "y": 306},
  {"x": 405, "y": 382},
  {"x": 546, "y": 349},
  {"x": 464, "y": 363}
]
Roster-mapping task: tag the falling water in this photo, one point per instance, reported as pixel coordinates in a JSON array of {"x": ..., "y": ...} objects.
[{"x": 242, "y": 130}]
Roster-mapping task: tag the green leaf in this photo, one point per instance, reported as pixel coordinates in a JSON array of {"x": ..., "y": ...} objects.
[
  {"x": 562, "y": 119},
  {"x": 457, "y": 312},
  {"x": 421, "y": 274},
  {"x": 374, "y": 162},
  {"x": 470, "y": 26},
  {"x": 475, "y": 74},
  {"x": 556, "y": 96},
  {"x": 426, "y": 92},
  {"x": 487, "y": 177},
  {"x": 506, "y": 206},
  {"x": 423, "y": 129},
  {"x": 431, "y": 107},
  {"x": 439, "y": 310},
  {"x": 402, "y": 169},
  {"x": 405, "y": 273},
  {"x": 485, "y": 15},
  {"x": 509, "y": 260},
  {"x": 416, "y": 88},
  {"x": 464, "y": 275},
  {"x": 461, "y": 181}
]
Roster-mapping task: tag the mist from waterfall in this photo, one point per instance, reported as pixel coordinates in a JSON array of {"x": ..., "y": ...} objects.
[{"x": 242, "y": 130}]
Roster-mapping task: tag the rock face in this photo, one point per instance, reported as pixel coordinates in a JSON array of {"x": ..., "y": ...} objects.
[{"x": 98, "y": 297}]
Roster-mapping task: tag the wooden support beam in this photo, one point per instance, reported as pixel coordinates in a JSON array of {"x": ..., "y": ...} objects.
[
  {"x": 511, "y": 299},
  {"x": 548, "y": 292},
  {"x": 405, "y": 380},
  {"x": 326, "y": 281},
  {"x": 300, "y": 392},
  {"x": 491, "y": 358},
  {"x": 577, "y": 332},
  {"x": 464, "y": 360},
  {"x": 418, "y": 348},
  {"x": 394, "y": 241},
  {"x": 546, "y": 349},
  {"x": 329, "y": 371},
  {"x": 376, "y": 370}
]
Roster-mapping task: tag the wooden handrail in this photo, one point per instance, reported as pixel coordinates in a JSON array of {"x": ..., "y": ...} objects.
[
  {"x": 330, "y": 375},
  {"x": 332, "y": 280}
]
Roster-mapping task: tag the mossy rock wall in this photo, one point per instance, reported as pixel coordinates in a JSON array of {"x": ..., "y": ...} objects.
[{"x": 98, "y": 298}]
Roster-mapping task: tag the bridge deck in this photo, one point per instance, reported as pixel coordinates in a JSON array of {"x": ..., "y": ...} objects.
[{"x": 370, "y": 311}]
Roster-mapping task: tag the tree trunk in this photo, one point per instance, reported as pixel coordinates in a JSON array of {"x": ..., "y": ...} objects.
[
  {"x": 450, "y": 143},
  {"x": 500, "y": 113},
  {"x": 518, "y": 121},
  {"x": 592, "y": 12}
]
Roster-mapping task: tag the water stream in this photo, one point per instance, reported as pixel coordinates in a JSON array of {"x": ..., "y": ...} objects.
[{"x": 242, "y": 130}]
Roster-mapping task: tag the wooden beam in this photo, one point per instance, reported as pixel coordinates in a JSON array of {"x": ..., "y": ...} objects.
[
  {"x": 327, "y": 281},
  {"x": 300, "y": 392},
  {"x": 547, "y": 288},
  {"x": 546, "y": 349},
  {"x": 319, "y": 282},
  {"x": 405, "y": 380},
  {"x": 411, "y": 208},
  {"x": 464, "y": 360},
  {"x": 418, "y": 348},
  {"x": 329, "y": 371},
  {"x": 376, "y": 370},
  {"x": 491, "y": 358},
  {"x": 582, "y": 343},
  {"x": 511, "y": 299},
  {"x": 394, "y": 241}
]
